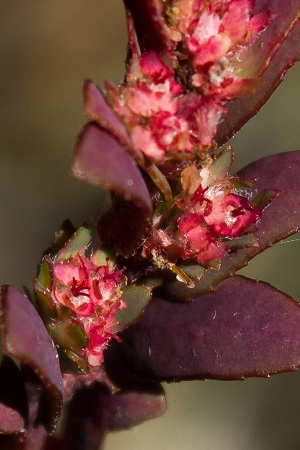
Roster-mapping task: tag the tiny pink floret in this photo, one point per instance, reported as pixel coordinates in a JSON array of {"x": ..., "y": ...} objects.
[
  {"x": 93, "y": 293},
  {"x": 210, "y": 214}
]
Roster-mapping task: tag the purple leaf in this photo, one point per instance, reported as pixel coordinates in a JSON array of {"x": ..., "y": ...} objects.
[
  {"x": 13, "y": 399},
  {"x": 84, "y": 427},
  {"x": 94, "y": 411},
  {"x": 36, "y": 435},
  {"x": 128, "y": 409},
  {"x": 97, "y": 109},
  {"x": 269, "y": 57},
  {"x": 246, "y": 328},
  {"x": 123, "y": 225},
  {"x": 100, "y": 159},
  {"x": 283, "y": 24},
  {"x": 26, "y": 340},
  {"x": 280, "y": 219},
  {"x": 151, "y": 29}
]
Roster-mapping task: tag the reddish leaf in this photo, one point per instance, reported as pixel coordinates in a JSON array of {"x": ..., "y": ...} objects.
[
  {"x": 269, "y": 57},
  {"x": 151, "y": 30},
  {"x": 246, "y": 328},
  {"x": 100, "y": 159},
  {"x": 13, "y": 399},
  {"x": 10, "y": 419},
  {"x": 285, "y": 16},
  {"x": 123, "y": 225},
  {"x": 97, "y": 109},
  {"x": 94, "y": 411},
  {"x": 128, "y": 409},
  {"x": 36, "y": 435},
  {"x": 26, "y": 340},
  {"x": 84, "y": 427},
  {"x": 279, "y": 220}
]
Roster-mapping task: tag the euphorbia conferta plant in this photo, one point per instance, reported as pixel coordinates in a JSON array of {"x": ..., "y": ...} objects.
[{"x": 157, "y": 299}]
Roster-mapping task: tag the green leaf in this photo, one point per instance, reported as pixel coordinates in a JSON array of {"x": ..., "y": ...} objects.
[
  {"x": 100, "y": 256},
  {"x": 68, "y": 334},
  {"x": 241, "y": 183},
  {"x": 43, "y": 304},
  {"x": 263, "y": 198},
  {"x": 153, "y": 282},
  {"x": 42, "y": 286},
  {"x": 71, "y": 362},
  {"x": 219, "y": 169},
  {"x": 44, "y": 278},
  {"x": 61, "y": 237},
  {"x": 193, "y": 270},
  {"x": 78, "y": 242},
  {"x": 136, "y": 299},
  {"x": 247, "y": 241}
]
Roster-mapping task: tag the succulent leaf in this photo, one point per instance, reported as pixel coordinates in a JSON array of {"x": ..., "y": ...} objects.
[
  {"x": 246, "y": 328},
  {"x": 101, "y": 160},
  {"x": 25, "y": 339},
  {"x": 136, "y": 299}
]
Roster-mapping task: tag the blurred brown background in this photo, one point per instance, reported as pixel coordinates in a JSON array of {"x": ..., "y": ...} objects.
[{"x": 46, "y": 50}]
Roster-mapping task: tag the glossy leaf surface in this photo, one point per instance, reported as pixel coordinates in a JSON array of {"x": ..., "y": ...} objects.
[
  {"x": 246, "y": 328},
  {"x": 26, "y": 339},
  {"x": 280, "y": 219},
  {"x": 101, "y": 160},
  {"x": 269, "y": 57}
]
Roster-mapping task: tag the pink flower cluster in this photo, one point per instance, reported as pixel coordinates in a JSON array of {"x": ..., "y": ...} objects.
[
  {"x": 209, "y": 213},
  {"x": 212, "y": 214},
  {"x": 149, "y": 105},
  {"x": 172, "y": 104},
  {"x": 213, "y": 34},
  {"x": 93, "y": 293}
]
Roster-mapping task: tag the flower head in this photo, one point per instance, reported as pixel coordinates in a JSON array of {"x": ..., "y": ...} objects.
[
  {"x": 206, "y": 216},
  {"x": 172, "y": 104},
  {"x": 79, "y": 296},
  {"x": 212, "y": 214},
  {"x": 92, "y": 292}
]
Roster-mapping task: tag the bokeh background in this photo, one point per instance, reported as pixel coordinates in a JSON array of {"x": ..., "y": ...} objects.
[{"x": 46, "y": 49}]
